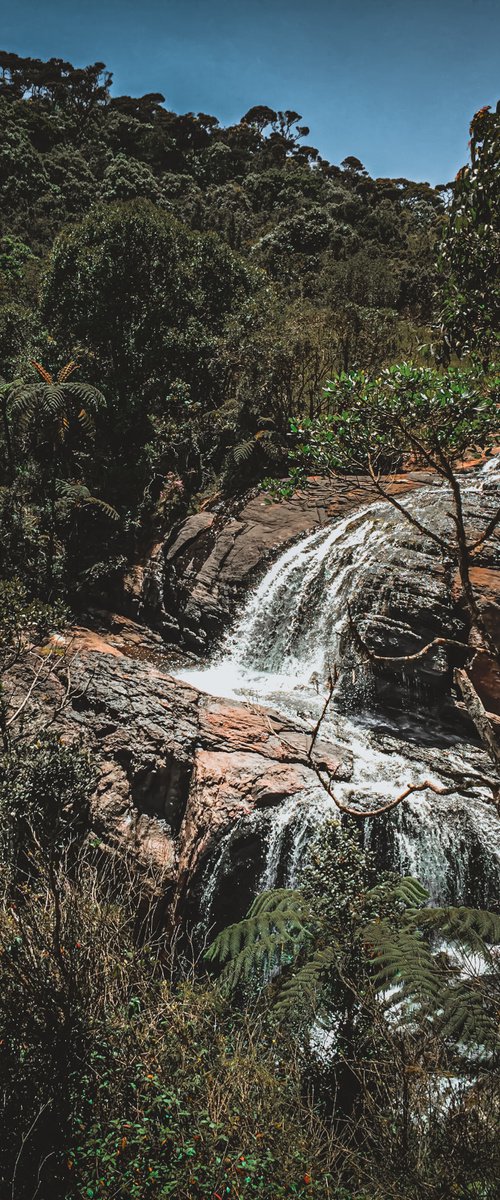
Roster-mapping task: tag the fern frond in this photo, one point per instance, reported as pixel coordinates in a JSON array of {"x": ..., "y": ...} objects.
[
  {"x": 272, "y": 933},
  {"x": 286, "y": 924},
  {"x": 403, "y": 961},
  {"x": 49, "y": 400},
  {"x": 86, "y": 421},
  {"x": 304, "y": 986},
  {"x": 277, "y": 899},
  {"x": 78, "y": 494},
  {"x": 468, "y": 1018},
  {"x": 66, "y": 371},
  {"x": 244, "y": 450},
  {"x": 52, "y": 399},
  {"x": 406, "y": 890},
  {"x": 46, "y": 376},
  {"x": 84, "y": 393},
  {"x": 472, "y": 927},
  {"x": 25, "y": 399}
]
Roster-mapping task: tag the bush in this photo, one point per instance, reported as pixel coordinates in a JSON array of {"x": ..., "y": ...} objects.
[{"x": 119, "y": 1082}]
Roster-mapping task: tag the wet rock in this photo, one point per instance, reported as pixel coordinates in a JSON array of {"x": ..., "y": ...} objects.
[
  {"x": 177, "y": 768},
  {"x": 484, "y": 670},
  {"x": 214, "y": 557},
  {"x": 411, "y": 596}
]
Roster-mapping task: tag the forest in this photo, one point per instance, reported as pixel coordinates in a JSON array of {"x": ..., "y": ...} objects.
[{"x": 199, "y": 321}]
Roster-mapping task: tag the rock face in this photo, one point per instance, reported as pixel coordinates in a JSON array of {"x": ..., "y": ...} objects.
[
  {"x": 186, "y": 780},
  {"x": 195, "y": 579},
  {"x": 485, "y": 672},
  {"x": 408, "y": 596},
  {"x": 177, "y": 768}
]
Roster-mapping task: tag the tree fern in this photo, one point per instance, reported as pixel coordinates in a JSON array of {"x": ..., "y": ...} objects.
[
  {"x": 303, "y": 988},
  {"x": 439, "y": 986},
  {"x": 80, "y": 496},
  {"x": 55, "y": 400},
  {"x": 339, "y": 945},
  {"x": 272, "y": 933}
]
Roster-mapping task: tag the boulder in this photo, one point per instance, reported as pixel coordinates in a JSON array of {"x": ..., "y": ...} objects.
[
  {"x": 177, "y": 768},
  {"x": 484, "y": 670},
  {"x": 409, "y": 596}
]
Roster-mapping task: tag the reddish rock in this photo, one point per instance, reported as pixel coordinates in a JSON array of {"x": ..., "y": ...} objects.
[
  {"x": 177, "y": 768},
  {"x": 213, "y": 557},
  {"x": 484, "y": 670}
]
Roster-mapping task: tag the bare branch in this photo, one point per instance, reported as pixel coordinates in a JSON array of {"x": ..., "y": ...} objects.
[
  {"x": 332, "y": 680},
  {"x": 395, "y": 659},
  {"x": 428, "y": 533},
  {"x": 37, "y": 676},
  {"x": 24, "y": 1141},
  {"x": 427, "y": 785},
  {"x": 478, "y": 714},
  {"x": 490, "y": 528}
]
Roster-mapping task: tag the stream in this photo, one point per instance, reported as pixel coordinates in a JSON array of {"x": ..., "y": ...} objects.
[{"x": 279, "y": 653}]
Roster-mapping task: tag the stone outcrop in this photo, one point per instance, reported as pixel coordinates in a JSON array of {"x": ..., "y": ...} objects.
[
  {"x": 408, "y": 596},
  {"x": 193, "y": 582},
  {"x": 484, "y": 671},
  {"x": 177, "y": 768}
]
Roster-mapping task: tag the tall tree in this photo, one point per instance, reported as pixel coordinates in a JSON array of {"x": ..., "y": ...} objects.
[{"x": 470, "y": 252}]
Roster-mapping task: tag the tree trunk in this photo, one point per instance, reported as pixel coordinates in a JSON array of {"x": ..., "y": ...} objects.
[
  {"x": 478, "y": 714},
  {"x": 7, "y": 437}
]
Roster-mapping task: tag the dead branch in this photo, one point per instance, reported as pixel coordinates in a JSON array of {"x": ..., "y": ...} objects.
[
  {"x": 332, "y": 680},
  {"x": 397, "y": 660},
  {"x": 424, "y": 786},
  {"x": 477, "y": 546},
  {"x": 428, "y": 533},
  {"x": 46, "y": 666},
  {"x": 24, "y": 1142},
  {"x": 478, "y": 714},
  {"x": 427, "y": 785}
]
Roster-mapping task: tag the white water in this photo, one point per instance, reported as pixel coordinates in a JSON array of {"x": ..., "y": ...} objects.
[{"x": 279, "y": 653}]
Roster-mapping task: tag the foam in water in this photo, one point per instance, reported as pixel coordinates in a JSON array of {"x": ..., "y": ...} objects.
[{"x": 279, "y": 653}]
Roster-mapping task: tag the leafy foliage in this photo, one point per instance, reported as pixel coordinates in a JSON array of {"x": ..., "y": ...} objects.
[
  {"x": 448, "y": 987},
  {"x": 378, "y": 941},
  {"x": 207, "y": 279},
  {"x": 470, "y": 247},
  {"x": 378, "y": 422},
  {"x": 270, "y": 936},
  {"x": 44, "y": 790},
  {"x": 56, "y": 402},
  {"x": 136, "y": 1084}
]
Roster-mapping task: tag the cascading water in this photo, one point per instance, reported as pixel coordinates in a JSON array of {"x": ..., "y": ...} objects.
[{"x": 280, "y": 652}]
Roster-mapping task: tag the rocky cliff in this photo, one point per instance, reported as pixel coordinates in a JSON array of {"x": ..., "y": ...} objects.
[
  {"x": 177, "y": 768},
  {"x": 194, "y": 579},
  {"x": 408, "y": 596}
]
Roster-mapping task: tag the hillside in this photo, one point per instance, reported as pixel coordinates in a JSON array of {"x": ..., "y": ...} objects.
[
  {"x": 206, "y": 336},
  {"x": 249, "y": 658}
]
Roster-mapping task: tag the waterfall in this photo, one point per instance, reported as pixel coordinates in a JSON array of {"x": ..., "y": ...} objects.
[
  {"x": 280, "y": 651},
  {"x": 292, "y": 621}
]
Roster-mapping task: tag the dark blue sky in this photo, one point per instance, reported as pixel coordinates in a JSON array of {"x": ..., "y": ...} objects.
[{"x": 390, "y": 81}]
